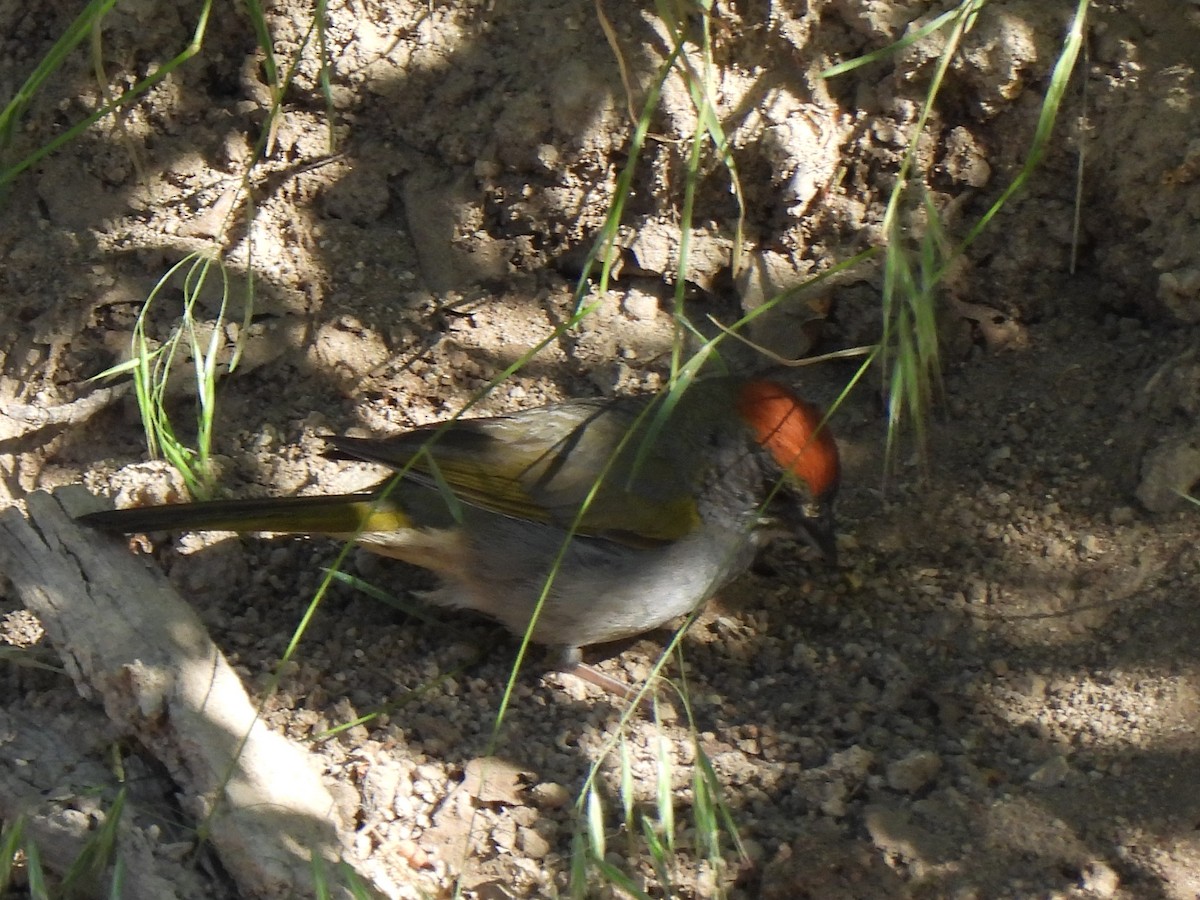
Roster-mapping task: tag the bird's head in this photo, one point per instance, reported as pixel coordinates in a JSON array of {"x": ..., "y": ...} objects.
[{"x": 798, "y": 439}]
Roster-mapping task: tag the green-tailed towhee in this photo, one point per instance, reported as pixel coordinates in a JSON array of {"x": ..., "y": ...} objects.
[{"x": 623, "y": 513}]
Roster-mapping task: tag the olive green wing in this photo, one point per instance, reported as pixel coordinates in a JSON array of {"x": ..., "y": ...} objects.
[{"x": 577, "y": 464}]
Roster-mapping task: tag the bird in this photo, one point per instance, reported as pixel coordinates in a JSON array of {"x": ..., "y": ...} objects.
[{"x": 581, "y": 522}]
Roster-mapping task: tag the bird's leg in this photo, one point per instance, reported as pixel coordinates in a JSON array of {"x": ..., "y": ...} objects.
[{"x": 570, "y": 662}]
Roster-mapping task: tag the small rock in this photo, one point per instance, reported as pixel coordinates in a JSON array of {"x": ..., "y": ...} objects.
[
  {"x": 1168, "y": 470},
  {"x": 1178, "y": 292},
  {"x": 834, "y": 805},
  {"x": 1099, "y": 879},
  {"x": 550, "y": 795},
  {"x": 491, "y": 779},
  {"x": 1051, "y": 773},
  {"x": 1031, "y": 685},
  {"x": 640, "y": 306},
  {"x": 977, "y": 591},
  {"x": 533, "y": 844},
  {"x": 504, "y": 835},
  {"x": 914, "y": 772},
  {"x": 892, "y": 832},
  {"x": 853, "y": 762}
]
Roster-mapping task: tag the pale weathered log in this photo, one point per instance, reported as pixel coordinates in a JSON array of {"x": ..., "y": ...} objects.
[
  {"x": 52, "y": 774},
  {"x": 127, "y": 638}
]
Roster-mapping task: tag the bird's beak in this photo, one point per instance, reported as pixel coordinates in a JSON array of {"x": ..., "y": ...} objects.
[{"x": 820, "y": 530}]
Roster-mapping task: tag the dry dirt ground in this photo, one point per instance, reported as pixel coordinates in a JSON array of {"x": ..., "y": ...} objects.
[{"x": 997, "y": 694}]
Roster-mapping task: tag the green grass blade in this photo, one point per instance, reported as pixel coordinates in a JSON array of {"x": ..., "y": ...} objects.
[
  {"x": 877, "y": 55},
  {"x": 595, "y": 825},
  {"x": 12, "y": 112}
]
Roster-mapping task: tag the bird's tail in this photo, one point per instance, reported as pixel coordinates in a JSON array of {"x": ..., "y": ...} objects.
[{"x": 345, "y": 514}]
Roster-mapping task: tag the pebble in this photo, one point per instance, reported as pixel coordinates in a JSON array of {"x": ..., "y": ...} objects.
[
  {"x": 640, "y": 306},
  {"x": 1099, "y": 879},
  {"x": 1032, "y": 685},
  {"x": 894, "y": 833},
  {"x": 533, "y": 844},
  {"x": 977, "y": 591},
  {"x": 1051, "y": 773},
  {"x": 550, "y": 795},
  {"x": 913, "y": 772}
]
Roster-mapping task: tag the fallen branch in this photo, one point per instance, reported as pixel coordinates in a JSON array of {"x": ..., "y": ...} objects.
[
  {"x": 51, "y": 776},
  {"x": 126, "y": 637}
]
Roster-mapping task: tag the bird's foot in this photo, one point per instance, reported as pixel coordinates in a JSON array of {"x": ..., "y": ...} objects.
[{"x": 571, "y": 663}]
